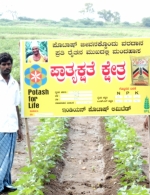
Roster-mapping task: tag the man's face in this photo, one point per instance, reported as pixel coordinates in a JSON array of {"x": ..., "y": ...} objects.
[
  {"x": 5, "y": 67},
  {"x": 35, "y": 50}
]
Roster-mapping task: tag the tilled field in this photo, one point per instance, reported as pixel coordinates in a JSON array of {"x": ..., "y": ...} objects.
[{"x": 87, "y": 167}]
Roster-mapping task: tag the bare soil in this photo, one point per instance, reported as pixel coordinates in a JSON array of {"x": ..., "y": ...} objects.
[{"x": 88, "y": 167}]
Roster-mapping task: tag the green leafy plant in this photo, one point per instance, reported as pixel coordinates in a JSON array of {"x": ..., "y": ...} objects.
[
  {"x": 127, "y": 155},
  {"x": 47, "y": 148},
  {"x": 134, "y": 190}
]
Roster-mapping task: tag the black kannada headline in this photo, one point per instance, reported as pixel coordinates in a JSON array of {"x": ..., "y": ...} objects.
[
  {"x": 100, "y": 48},
  {"x": 97, "y": 109}
]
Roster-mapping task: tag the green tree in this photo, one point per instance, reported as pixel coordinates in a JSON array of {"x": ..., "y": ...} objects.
[
  {"x": 65, "y": 19},
  {"x": 88, "y": 10},
  {"x": 146, "y": 21},
  {"x": 23, "y": 18},
  {"x": 109, "y": 16},
  {"x": 86, "y": 21},
  {"x": 106, "y": 15},
  {"x": 126, "y": 23},
  {"x": 116, "y": 17}
]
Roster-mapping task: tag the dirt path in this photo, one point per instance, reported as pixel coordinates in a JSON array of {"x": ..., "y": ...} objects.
[
  {"x": 88, "y": 166},
  {"x": 84, "y": 162}
]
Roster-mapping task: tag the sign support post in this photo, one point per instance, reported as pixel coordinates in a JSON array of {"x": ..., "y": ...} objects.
[{"x": 28, "y": 139}]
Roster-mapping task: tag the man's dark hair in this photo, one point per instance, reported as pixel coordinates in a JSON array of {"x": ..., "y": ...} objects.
[{"x": 4, "y": 57}]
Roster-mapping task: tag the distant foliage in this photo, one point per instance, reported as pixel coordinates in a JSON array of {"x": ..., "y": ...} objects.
[
  {"x": 42, "y": 20},
  {"x": 66, "y": 19},
  {"x": 5, "y": 20},
  {"x": 53, "y": 22},
  {"x": 106, "y": 15},
  {"x": 109, "y": 16},
  {"x": 146, "y": 21},
  {"x": 86, "y": 21},
  {"x": 116, "y": 17},
  {"x": 88, "y": 10},
  {"x": 99, "y": 23},
  {"x": 126, "y": 23},
  {"x": 67, "y": 22},
  {"x": 25, "y": 19}
]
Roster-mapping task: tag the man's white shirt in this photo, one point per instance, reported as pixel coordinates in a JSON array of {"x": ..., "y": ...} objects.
[{"x": 9, "y": 99}]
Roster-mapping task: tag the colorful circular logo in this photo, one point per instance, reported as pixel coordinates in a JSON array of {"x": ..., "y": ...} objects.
[{"x": 35, "y": 76}]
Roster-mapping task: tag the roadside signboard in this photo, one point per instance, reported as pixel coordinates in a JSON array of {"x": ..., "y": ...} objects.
[{"x": 85, "y": 77}]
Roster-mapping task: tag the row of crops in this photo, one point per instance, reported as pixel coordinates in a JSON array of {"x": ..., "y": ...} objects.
[
  {"x": 126, "y": 156},
  {"x": 47, "y": 149}
]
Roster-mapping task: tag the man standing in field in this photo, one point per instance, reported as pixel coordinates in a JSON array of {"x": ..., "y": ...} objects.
[{"x": 9, "y": 120}]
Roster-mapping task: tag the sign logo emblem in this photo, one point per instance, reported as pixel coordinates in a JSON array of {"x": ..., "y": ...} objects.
[{"x": 35, "y": 76}]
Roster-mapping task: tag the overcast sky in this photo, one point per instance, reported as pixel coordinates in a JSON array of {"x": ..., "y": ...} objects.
[{"x": 130, "y": 10}]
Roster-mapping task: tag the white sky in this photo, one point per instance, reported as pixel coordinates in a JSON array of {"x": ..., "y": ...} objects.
[{"x": 130, "y": 10}]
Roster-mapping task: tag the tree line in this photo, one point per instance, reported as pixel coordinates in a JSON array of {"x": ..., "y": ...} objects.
[
  {"x": 87, "y": 19},
  {"x": 105, "y": 15}
]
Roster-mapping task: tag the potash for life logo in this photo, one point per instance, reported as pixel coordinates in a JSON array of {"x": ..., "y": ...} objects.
[{"x": 35, "y": 76}]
